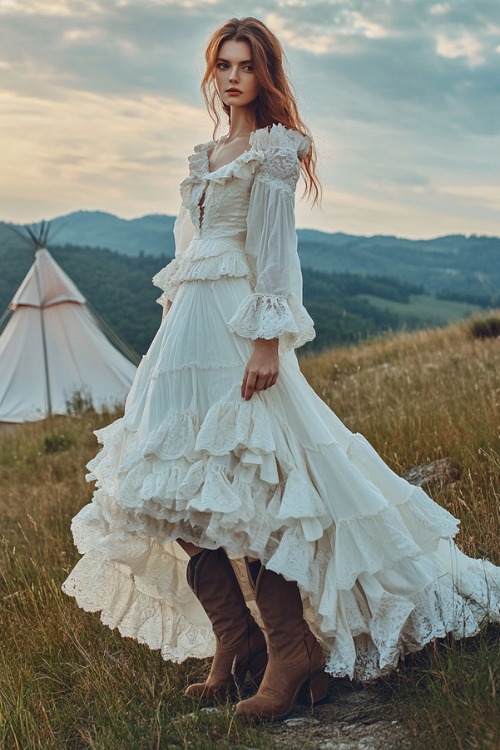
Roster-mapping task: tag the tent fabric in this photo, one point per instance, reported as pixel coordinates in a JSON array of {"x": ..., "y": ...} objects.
[
  {"x": 79, "y": 357},
  {"x": 46, "y": 284}
]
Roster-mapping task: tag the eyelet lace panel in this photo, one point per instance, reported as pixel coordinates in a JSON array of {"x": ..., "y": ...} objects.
[
  {"x": 280, "y": 169},
  {"x": 269, "y": 316}
]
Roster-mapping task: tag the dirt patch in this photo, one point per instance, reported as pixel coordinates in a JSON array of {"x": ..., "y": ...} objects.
[{"x": 354, "y": 717}]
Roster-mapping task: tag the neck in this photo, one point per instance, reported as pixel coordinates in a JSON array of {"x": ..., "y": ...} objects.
[{"x": 242, "y": 123}]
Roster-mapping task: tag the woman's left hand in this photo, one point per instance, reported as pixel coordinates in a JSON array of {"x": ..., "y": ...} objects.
[{"x": 262, "y": 368}]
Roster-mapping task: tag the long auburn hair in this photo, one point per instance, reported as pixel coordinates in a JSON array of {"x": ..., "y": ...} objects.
[{"x": 275, "y": 102}]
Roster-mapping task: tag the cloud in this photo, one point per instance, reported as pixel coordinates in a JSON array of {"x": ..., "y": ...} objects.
[
  {"x": 429, "y": 71},
  {"x": 439, "y": 9},
  {"x": 402, "y": 98},
  {"x": 84, "y": 147},
  {"x": 356, "y": 57},
  {"x": 462, "y": 45},
  {"x": 62, "y": 8}
]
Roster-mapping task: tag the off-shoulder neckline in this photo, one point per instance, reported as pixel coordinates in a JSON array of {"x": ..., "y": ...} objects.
[{"x": 203, "y": 148}]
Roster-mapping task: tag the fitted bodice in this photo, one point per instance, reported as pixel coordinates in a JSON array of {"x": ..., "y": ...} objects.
[
  {"x": 219, "y": 207},
  {"x": 217, "y": 204},
  {"x": 238, "y": 222}
]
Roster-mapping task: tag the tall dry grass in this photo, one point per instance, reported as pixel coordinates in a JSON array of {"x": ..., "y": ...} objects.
[
  {"x": 419, "y": 397},
  {"x": 66, "y": 681},
  {"x": 422, "y": 396}
]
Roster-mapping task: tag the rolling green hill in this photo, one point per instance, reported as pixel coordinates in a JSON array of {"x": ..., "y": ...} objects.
[
  {"x": 346, "y": 307},
  {"x": 456, "y": 267}
]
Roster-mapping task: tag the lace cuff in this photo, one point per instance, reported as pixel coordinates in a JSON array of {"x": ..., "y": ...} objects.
[
  {"x": 163, "y": 280},
  {"x": 270, "y": 316}
]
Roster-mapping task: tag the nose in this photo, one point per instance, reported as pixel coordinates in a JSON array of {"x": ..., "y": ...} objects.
[{"x": 233, "y": 77}]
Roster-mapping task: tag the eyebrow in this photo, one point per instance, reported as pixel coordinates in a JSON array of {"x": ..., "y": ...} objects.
[{"x": 243, "y": 62}]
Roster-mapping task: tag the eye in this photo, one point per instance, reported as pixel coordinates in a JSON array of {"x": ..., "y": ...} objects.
[
  {"x": 249, "y": 68},
  {"x": 221, "y": 65}
]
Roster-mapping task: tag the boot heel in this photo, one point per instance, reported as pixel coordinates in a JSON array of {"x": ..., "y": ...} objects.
[{"x": 315, "y": 690}]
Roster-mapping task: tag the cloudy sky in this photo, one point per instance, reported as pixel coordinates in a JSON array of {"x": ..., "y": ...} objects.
[{"x": 100, "y": 106}]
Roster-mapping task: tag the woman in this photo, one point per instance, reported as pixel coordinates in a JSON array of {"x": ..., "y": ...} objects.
[{"x": 225, "y": 452}]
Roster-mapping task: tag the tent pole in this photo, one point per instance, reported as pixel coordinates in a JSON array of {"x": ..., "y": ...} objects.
[{"x": 44, "y": 341}]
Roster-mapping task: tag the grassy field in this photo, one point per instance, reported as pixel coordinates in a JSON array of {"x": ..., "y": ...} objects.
[
  {"x": 425, "y": 308},
  {"x": 68, "y": 682}
]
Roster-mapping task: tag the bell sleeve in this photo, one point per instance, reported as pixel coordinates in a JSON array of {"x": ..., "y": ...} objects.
[
  {"x": 274, "y": 309},
  {"x": 183, "y": 234}
]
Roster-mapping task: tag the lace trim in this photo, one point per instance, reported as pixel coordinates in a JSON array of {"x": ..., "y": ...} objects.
[
  {"x": 270, "y": 316},
  {"x": 280, "y": 170},
  {"x": 199, "y": 168},
  {"x": 225, "y": 482},
  {"x": 198, "y": 366},
  {"x": 111, "y": 588},
  {"x": 400, "y": 625},
  {"x": 211, "y": 268},
  {"x": 277, "y": 138},
  {"x": 231, "y": 263}
]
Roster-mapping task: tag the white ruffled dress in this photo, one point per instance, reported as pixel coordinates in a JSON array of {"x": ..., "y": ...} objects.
[{"x": 278, "y": 477}]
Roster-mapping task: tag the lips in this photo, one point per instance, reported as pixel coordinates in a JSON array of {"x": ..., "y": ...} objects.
[{"x": 233, "y": 91}]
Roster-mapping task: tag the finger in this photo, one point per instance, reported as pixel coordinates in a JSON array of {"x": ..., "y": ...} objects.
[
  {"x": 263, "y": 383},
  {"x": 267, "y": 384},
  {"x": 249, "y": 386},
  {"x": 243, "y": 384}
]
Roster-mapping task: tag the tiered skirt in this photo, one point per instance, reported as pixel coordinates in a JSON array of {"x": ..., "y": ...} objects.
[{"x": 278, "y": 477}]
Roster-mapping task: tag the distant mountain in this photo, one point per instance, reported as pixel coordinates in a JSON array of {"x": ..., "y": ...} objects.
[
  {"x": 455, "y": 267},
  {"x": 151, "y": 235}
]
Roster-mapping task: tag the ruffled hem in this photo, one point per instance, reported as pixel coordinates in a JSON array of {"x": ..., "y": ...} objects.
[
  {"x": 270, "y": 316},
  {"x": 205, "y": 260},
  {"x": 111, "y": 588},
  {"x": 218, "y": 480},
  {"x": 378, "y": 629},
  {"x": 372, "y": 590},
  {"x": 164, "y": 280},
  {"x": 210, "y": 269},
  {"x": 226, "y": 473}
]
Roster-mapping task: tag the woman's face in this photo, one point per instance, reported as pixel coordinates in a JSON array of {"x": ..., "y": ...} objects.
[{"x": 234, "y": 71}]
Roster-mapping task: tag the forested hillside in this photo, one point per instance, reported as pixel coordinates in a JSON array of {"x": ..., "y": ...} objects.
[
  {"x": 345, "y": 307},
  {"x": 453, "y": 267}
]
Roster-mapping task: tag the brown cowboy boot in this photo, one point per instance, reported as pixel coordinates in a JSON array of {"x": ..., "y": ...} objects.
[
  {"x": 296, "y": 662},
  {"x": 241, "y": 646}
]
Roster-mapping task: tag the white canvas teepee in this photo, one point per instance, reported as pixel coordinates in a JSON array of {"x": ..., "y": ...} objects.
[{"x": 53, "y": 348}]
